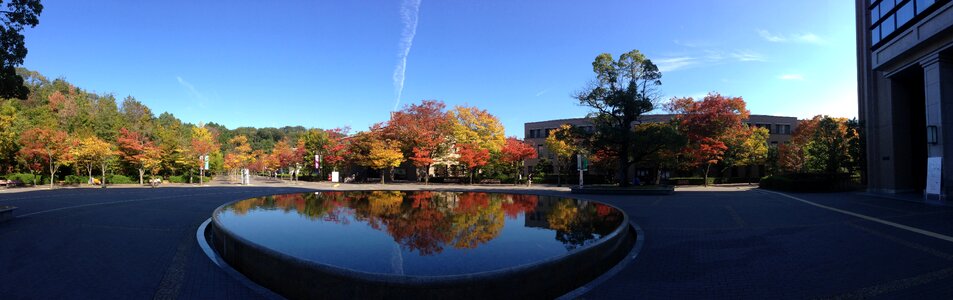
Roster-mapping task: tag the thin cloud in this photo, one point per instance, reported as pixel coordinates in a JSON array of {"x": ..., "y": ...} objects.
[
  {"x": 771, "y": 37},
  {"x": 193, "y": 92},
  {"x": 747, "y": 55},
  {"x": 409, "y": 11},
  {"x": 807, "y": 38},
  {"x": 675, "y": 63},
  {"x": 792, "y": 77},
  {"x": 540, "y": 93}
]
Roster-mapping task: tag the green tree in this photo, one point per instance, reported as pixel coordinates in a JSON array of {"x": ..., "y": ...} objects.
[
  {"x": 17, "y": 15},
  {"x": 623, "y": 90},
  {"x": 828, "y": 149}
]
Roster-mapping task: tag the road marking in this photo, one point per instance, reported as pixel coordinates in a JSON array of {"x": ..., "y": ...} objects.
[{"x": 869, "y": 218}]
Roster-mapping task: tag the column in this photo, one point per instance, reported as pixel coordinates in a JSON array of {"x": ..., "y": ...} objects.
[{"x": 938, "y": 82}]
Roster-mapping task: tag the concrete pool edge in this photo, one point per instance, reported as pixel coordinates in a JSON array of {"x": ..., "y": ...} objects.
[{"x": 293, "y": 277}]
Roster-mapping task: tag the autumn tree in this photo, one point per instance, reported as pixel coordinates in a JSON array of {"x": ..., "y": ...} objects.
[
  {"x": 828, "y": 149},
  {"x": 384, "y": 154},
  {"x": 561, "y": 142},
  {"x": 240, "y": 155},
  {"x": 516, "y": 152},
  {"x": 135, "y": 148},
  {"x": 623, "y": 90},
  {"x": 202, "y": 144},
  {"x": 336, "y": 150},
  {"x": 313, "y": 143},
  {"x": 477, "y": 127},
  {"x": 10, "y": 122},
  {"x": 49, "y": 145},
  {"x": 93, "y": 151},
  {"x": 746, "y": 146},
  {"x": 709, "y": 124},
  {"x": 424, "y": 131},
  {"x": 473, "y": 157}
]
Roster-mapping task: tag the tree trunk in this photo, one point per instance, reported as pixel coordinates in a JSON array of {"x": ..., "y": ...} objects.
[
  {"x": 658, "y": 175},
  {"x": 103, "y": 167},
  {"x": 89, "y": 180},
  {"x": 142, "y": 172},
  {"x": 623, "y": 161},
  {"x": 52, "y": 171},
  {"x": 382, "y": 175},
  {"x": 707, "y": 168},
  {"x": 427, "y": 175}
]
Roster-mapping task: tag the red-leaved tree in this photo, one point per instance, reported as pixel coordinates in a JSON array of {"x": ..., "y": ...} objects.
[
  {"x": 473, "y": 157},
  {"x": 516, "y": 152},
  {"x": 49, "y": 145}
]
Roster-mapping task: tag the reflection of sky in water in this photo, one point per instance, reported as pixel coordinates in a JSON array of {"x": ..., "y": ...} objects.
[{"x": 349, "y": 240}]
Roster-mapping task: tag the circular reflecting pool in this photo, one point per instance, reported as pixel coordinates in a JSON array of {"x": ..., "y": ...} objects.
[{"x": 393, "y": 238}]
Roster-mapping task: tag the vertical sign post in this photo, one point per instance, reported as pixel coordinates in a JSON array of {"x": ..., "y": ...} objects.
[{"x": 582, "y": 164}]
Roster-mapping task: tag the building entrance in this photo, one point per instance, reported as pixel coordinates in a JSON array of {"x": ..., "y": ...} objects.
[{"x": 909, "y": 115}]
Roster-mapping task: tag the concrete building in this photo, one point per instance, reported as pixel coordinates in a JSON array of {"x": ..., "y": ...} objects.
[
  {"x": 535, "y": 133},
  {"x": 905, "y": 87}
]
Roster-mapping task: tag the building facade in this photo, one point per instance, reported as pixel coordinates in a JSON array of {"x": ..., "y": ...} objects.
[
  {"x": 905, "y": 93},
  {"x": 535, "y": 133}
]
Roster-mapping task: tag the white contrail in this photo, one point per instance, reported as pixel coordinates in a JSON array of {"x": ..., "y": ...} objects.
[{"x": 408, "y": 15}]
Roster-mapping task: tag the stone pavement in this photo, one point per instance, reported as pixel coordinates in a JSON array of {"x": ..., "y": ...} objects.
[{"x": 720, "y": 242}]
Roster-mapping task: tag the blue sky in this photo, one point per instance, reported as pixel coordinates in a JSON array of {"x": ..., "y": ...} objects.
[{"x": 328, "y": 64}]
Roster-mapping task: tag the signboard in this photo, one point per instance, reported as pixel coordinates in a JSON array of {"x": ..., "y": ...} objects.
[
  {"x": 934, "y": 171},
  {"x": 206, "y": 162},
  {"x": 317, "y": 162},
  {"x": 335, "y": 177},
  {"x": 582, "y": 163}
]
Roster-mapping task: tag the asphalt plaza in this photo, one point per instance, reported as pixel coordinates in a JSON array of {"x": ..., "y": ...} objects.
[{"x": 719, "y": 242}]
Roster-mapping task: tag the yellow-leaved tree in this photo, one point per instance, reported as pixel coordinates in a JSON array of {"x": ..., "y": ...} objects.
[
  {"x": 92, "y": 151},
  {"x": 383, "y": 155},
  {"x": 560, "y": 144},
  {"x": 471, "y": 125}
]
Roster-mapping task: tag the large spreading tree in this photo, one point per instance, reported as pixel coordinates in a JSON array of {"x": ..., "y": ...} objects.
[
  {"x": 17, "y": 15},
  {"x": 623, "y": 90}
]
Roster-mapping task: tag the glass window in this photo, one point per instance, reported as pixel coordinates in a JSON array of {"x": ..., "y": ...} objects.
[
  {"x": 885, "y": 7},
  {"x": 874, "y": 13},
  {"x": 875, "y": 35},
  {"x": 787, "y": 129},
  {"x": 887, "y": 27},
  {"x": 905, "y": 13},
  {"x": 923, "y": 5}
]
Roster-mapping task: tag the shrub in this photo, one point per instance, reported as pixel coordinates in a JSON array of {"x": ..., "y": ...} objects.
[
  {"x": 185, "y": 179},
  {"x": 27, "y": 179},
  {"x": 807, "y": 183},
  {"x": 120, "y": 179},
  {"x": 691, "y": 180},
  {"x": 76, "y": 179}
]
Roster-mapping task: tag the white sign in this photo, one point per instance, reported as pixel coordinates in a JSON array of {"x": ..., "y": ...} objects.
[
  {"x": 934, "y": 171},
  {"x": 335, "y": 177}
]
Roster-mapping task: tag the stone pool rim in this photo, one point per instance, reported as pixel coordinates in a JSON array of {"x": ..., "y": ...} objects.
[{"x": 612, "y": 248}]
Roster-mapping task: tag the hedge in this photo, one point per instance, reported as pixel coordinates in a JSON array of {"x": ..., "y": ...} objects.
[
  {"x": 27, "y": 178},
  {"x": 807, "y": 183}
]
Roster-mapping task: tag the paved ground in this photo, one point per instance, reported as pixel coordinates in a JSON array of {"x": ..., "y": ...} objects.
[{"x": 139, "y": 243}]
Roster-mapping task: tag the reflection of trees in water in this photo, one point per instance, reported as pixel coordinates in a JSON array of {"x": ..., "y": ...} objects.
[
  {"x": 578, "y": 223},
  {"x": 427, "y": 222}
]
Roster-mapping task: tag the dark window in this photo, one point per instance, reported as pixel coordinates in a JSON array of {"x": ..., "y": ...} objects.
[
  {"x": 777, "y": 128},
  {"x": 905, "y": 13},
  {"x": 787, "y": 129},
  {"x": 923, "y": 5}
]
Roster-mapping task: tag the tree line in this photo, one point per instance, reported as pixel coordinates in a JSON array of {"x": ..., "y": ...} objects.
[
  {"x": 62, "y": 129},
  {"x": 705, "y": 135}
]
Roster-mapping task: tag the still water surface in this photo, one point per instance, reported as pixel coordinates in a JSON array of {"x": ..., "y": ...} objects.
[{"x": 420, "y": 233}]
